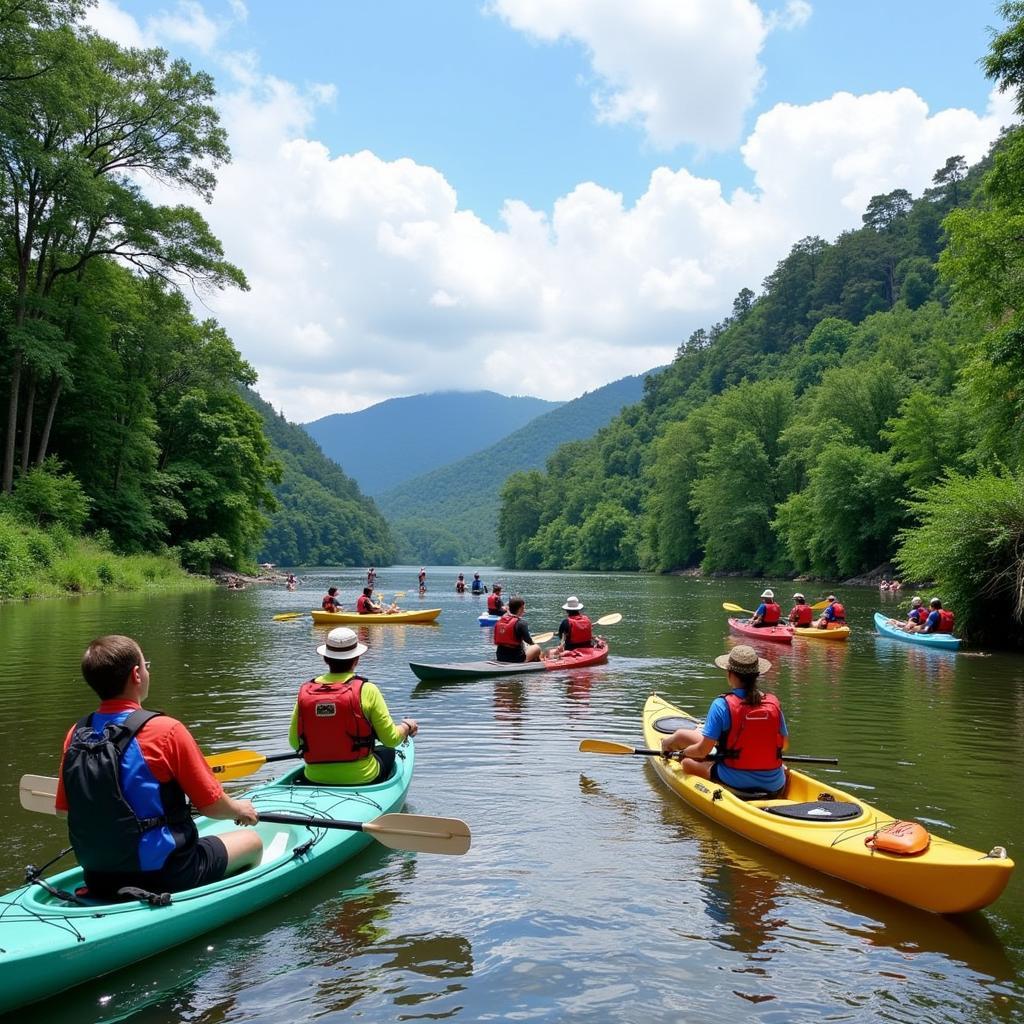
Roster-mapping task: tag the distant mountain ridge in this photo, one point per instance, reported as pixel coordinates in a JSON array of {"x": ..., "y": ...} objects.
[
  {"x": 450, "y": 515},
  {"x": 383, "y": 446}
]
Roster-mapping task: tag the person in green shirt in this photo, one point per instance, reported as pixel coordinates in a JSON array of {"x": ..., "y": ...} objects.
[{"x": 341, "y": 722}]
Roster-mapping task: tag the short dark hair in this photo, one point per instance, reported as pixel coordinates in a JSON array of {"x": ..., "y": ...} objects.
[
  {"x": 332, "y": 590},
  {"x": 346, "y": 665},
  {"x": 515, "y": 604},
  {"x": 108, "y": 662},
  {"x": 367, "y": 591}
]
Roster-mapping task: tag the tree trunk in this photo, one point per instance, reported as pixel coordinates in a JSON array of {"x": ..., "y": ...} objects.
[
  {"x": 26, "y": 429},
  {"x": 44, "y": 438},
  {"x": 12, "y": 423}
]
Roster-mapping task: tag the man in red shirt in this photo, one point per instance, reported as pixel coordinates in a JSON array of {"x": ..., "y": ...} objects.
[{"x": 126, "y": 779}]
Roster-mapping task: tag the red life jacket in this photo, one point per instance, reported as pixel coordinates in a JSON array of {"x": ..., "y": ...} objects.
[
  {"x": 581, "y": 631},
  {"x": 364, "y": 605},
  {"x": 754, "y": 742},
  {"x": 494, "y": 604},
  {"x": 328, "y": 603},
  {"x": 945, "y": 621},
  {"x": 505, "y": 631},
  {"x": 838, "y": 612},
  {"x": 332, "y": 725},
  {"x": 802, "y": 616},
  {"x": 772, "y": 614},
  {"x": 918, "y": 616}
]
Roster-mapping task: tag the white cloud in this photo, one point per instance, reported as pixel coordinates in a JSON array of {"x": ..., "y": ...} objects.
[
  {"x": 685, "y": 70},
  {"x": 184, "y": 24},
  {"x": 368, "y": 280},
  {"x": 794, "y": 15}
]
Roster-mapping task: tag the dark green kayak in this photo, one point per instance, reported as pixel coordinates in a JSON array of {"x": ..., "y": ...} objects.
[{"x": 579, "y": 658}]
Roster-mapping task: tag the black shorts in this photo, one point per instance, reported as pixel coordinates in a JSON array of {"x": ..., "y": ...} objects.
[
  {"x": 197, "y": 865},
  {"x": 510, "y": 655}
]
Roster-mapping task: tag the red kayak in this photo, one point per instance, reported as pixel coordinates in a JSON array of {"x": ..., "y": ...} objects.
[
  {"x": 596, "y": 655},
  {"x": 777, "y": 634}
]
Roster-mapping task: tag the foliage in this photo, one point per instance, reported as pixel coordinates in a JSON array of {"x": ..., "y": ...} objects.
[{"x": 47, "y": 495}]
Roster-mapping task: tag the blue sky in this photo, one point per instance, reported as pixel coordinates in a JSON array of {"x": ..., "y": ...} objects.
[{"x": 427, "y": 278}]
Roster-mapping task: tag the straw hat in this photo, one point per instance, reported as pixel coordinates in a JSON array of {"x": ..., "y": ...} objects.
[
  {"x": 342, "y": 644},
  {"x": 743, "y": 660},
  {"x": 572, "y": 605}
]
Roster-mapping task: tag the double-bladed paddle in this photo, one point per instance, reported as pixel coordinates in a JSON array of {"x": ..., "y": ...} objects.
[
  {"x": 610, "y": 747},
  {"x": 419, "y": 833},
  {"x": 611, "y": 619}
]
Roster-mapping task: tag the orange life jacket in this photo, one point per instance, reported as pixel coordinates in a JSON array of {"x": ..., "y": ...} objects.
[
  {"x": 754, "y": 742},
  {"x": 802, "y": 616},
  {"x": 772, "y": 614},
  {"x": 581, "y": 631},
  {"x": 945, "y": 621},
  {"x": 364, "y": 605},
  {"x": 332, "y": 725}
]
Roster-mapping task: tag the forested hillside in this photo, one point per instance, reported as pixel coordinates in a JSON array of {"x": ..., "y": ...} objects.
[
  {"x": 865, "y": 405},
  {"x": 321, "y": 518},
  {"x": 450, "y": 515},
  {"x": 393, "y": 441}
]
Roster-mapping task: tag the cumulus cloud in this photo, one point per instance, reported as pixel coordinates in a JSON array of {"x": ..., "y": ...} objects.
[
  {"x": 369, "y": 280},
  {"x": 185, "y": 24}
]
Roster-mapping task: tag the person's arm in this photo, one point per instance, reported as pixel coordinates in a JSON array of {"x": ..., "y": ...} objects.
[
  {"x": 390, "y": 733},
  {"x": 293, "y": 728},
  {"x": 523, "y": 631},
  {"x": 242, "y": 811}
]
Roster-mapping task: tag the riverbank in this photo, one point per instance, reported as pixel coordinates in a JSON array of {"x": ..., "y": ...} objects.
[{"x": 37, "y": 563}]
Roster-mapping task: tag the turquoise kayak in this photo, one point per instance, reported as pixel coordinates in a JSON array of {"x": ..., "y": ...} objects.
[
  {"x": 937, "y": 641},
  {"x": 48, "y": 945}
]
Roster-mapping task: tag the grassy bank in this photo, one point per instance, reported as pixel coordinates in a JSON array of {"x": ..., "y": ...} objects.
[{"x": 53, "y": 562}]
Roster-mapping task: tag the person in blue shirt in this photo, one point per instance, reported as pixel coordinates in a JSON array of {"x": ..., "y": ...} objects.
[
  {"x": 746, "y": 725},
  {"x": 478, "y": 586}
]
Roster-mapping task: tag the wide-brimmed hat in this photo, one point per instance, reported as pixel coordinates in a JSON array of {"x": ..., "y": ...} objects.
[
  {"x": 916, "y": 602},
  {"x": 799, "y": 597},
  {"x": 770, "y": 594},
  {"x": 342, "y": 644},
  {"x": 743, "y": 660},
  {"x": 572, "y": 605},
  {"x": 831, "y": 597}
]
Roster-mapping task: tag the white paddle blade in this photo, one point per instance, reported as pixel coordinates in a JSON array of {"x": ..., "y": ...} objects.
[
  {"x": 610, "y": 619},
  {"x": 423, "y": 833},
  {"x": 37, "y": 793},
  {"x": 542, "y": 638}
]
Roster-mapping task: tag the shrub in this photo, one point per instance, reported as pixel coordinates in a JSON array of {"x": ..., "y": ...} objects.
[{"x": 47, "y": 495}]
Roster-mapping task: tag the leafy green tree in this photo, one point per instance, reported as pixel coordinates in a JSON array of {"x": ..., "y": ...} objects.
[
  {"x": 519, "y": 519},
  {"x": 607, "y": 538}
]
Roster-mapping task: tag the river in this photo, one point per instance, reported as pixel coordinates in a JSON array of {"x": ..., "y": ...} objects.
[{"x": 590, "y": 892}]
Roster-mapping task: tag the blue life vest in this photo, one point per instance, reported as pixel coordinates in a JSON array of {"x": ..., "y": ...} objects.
[{"x": 121, "y": 819}]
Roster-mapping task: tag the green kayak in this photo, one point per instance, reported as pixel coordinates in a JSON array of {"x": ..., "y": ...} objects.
[{"x": 48, "y": 945}]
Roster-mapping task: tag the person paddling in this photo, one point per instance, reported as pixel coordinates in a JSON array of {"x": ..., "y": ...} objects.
[
  {"x": 801, "y": 615},
  {"x": 575, "y": 630},
  {"x": 478, "y": 586},
  {"x": 768, "y": 613},
  {"x": 330, "y": 602},
  {"x": 495, "y": 605},
  {"x": 916, "y": 618},
  {"x": 341, "y": 721},
  {"x": 460, "y": 584},
  {"x": 746, "y": 724},
  {"x": 365, "y": 604},
  {"x": 833, "y": 616},
  {"x": 126, "y": 779},
  {"x": 512, "y": 635},
  {"x": 939, "y": 619}
]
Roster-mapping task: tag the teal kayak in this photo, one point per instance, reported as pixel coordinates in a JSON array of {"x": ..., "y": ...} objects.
[
  {"x": 937, "y": 641},
  {"x": 48, "y": 945}
]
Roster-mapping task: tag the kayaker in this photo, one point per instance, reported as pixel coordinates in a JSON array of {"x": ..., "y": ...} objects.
[
  {"x": 768, "y": 613},
  {"x": 460, "y": 584},
  {"x": 365, "y": 604},
  {"x": 423, "y": 580},
  {"x": 478, "y": 586},
  {"x": 575, "y": 630},
  {"x": 371, "y": 577},
  {"x": 495, "y": 605},
  {"x": 915, "y": 619},
  {"x": 291, "y": 582},
  {"x": 939, "y": 620},
  {"x": 801, "y": 615},
  {"x": 833, "y": 616},
  {"x": 330, "y": 602},
  {"x": 126, "y": 779},
  {"x": 746, "y": 724},
  {"x": 512, "y": 635},
  {"x": 340, "y": 719}
]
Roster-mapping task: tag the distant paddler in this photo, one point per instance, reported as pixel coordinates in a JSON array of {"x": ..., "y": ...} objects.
[
  {"x": 365, "y": 605},
  {"x": 833, "y": 616},
  {"x": 768, "y": 613},
  {"x": 330, "y": 602},
  {"x": 575, "y": 630},
  {"x": 478, "y": 586},
  {"x": 460, "y": 584},
  {"x": 801, "y": 615},
  {"x": 495, "y": 604}
]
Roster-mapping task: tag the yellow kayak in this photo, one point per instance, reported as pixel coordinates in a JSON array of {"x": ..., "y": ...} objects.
[
  {"x": 825, "y": 828},
  {"x": 810, "y": 633},
  {"x": 353, "y": 618}
]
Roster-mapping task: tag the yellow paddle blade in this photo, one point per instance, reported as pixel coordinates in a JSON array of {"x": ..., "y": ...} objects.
[
  {"x": 542, "y": 638},
  {"x": 288, "y": 615},
  {"x": 730, "y": 607},
  {"x": 610, "y": 619},
  {"x": 37, "y": 793},
  {"x": 819, "y": 607},
  {"x": 235, "y": 764},
  {"x": 401, "y": 593},
  {"x": 604, "y": 747}
]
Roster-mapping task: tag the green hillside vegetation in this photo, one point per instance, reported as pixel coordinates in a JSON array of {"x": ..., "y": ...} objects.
[
  {"x": 450, "y": 516},
  {"x": 393, "y": 441},
  {"x": 321, "y": 517},
  {"x": 867, "y": 405}
]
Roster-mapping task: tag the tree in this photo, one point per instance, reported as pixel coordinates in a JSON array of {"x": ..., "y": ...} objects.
[
  {"x": 519, "y": 517},
  {"x": 947, "y": 180},
  {"x": 885, "y": 211}
]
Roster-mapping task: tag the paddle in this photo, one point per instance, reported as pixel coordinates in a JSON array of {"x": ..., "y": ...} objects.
[
  {"x": 820, "y": 606},
  {"x": 606, "y": 620},
  {"x": 609, "y": 747},
  {"x": 421, "y": 833},
  {"x": 730, "y": 607},
  {"x": 289, "y": 615},
  {"x": 237, "y": 764}
]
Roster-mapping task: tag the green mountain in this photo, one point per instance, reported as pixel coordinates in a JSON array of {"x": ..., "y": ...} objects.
[
  {"x": 322, "y": 518},
  {"x": 450, "y": 515},
  {"x": 390, "y": 442}
]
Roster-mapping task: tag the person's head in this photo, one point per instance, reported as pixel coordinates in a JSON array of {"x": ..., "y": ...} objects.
[
  {"x": 768, "y": 595},
  {"x": 799, "y": 598},
  {"x": 572, "y": 606},
  {"x": 743, "y": 667},
  {"x": 114, "y": 666},
  {"x": 367, "y": 591},
  {"x": 496, "y": 588},
  {"x": 461, "y": 577},
  {"x": 916, "y": 602},
  {"x": 934, "y": 603},
  {"x": 342, "y": 649},
  {"x": 831, "y": 598},
  {"x": 476, "y": 575},
  {"x": 332, "y": 591},
  {"x": 516, "y": 605}
]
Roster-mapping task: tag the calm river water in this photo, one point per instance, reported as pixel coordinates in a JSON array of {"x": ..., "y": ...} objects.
[{"x": 590, "y": 893}]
